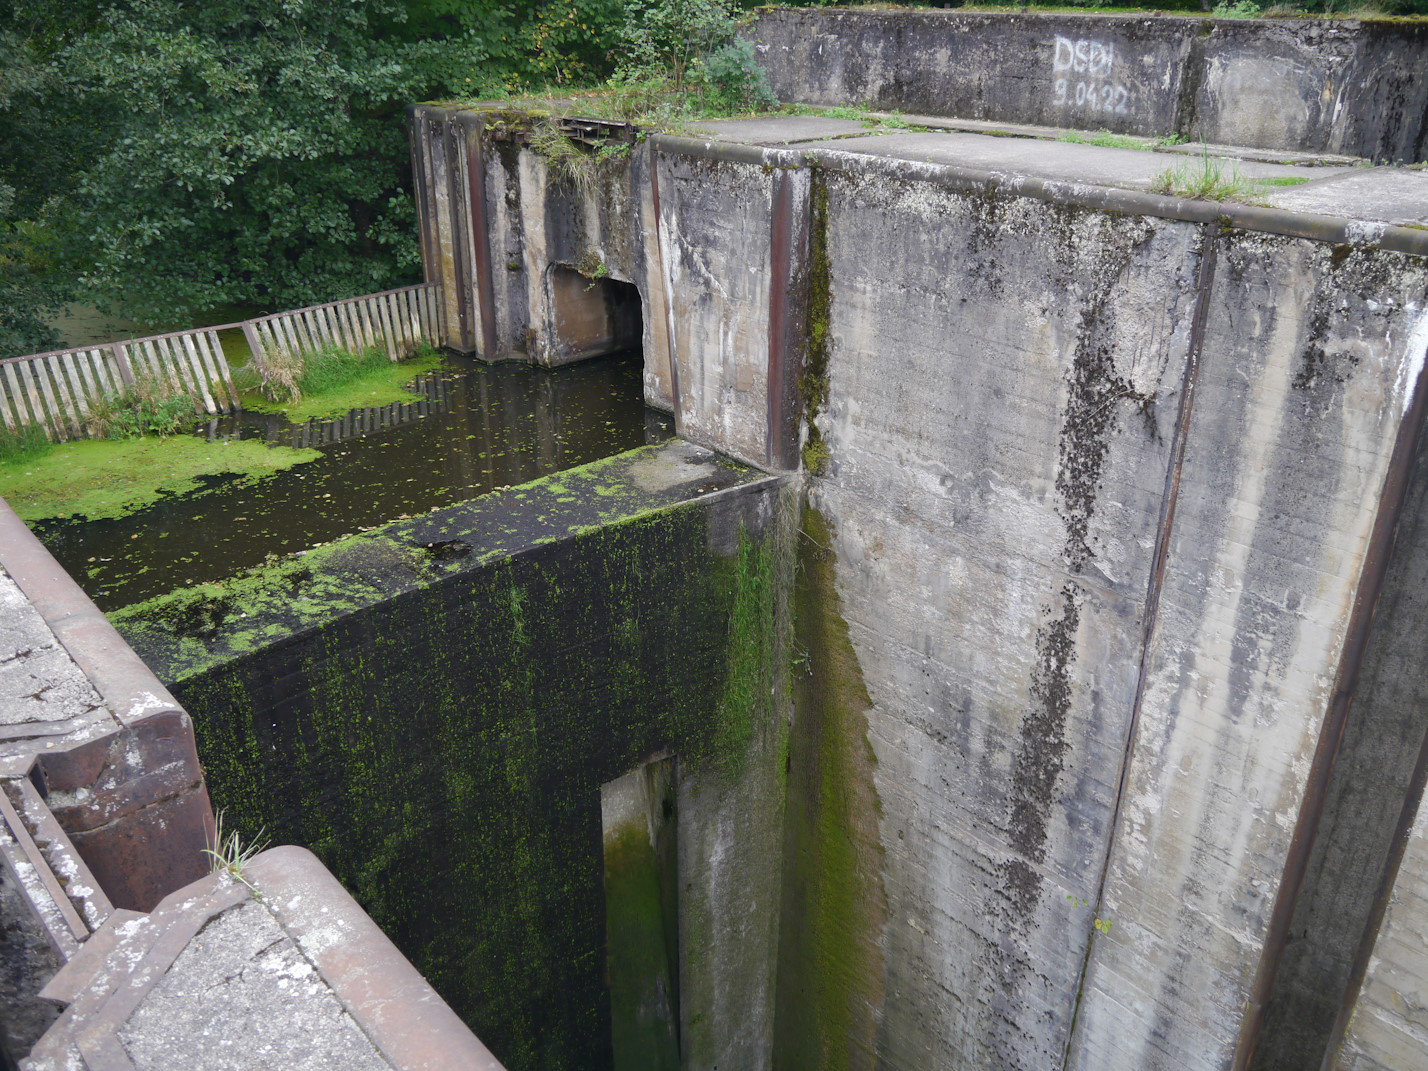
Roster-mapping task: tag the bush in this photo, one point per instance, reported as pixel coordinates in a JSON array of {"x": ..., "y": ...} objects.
[
  {"x": 737, "y": 82},
  {"x": 148, "y": 407}
]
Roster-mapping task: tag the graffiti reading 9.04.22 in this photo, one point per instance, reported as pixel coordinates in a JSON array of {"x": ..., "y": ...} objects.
[{"x": 1082, "y": 72}]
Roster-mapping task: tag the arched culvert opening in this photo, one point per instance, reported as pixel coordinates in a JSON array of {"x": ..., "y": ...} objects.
[{"x": 592, "y": 317}]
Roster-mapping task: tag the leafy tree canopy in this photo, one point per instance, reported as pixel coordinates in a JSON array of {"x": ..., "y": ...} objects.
[{"x": 164, "y": 157}]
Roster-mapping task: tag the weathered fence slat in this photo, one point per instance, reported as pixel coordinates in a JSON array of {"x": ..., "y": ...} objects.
[
  {"x": 52, "y": 407},
  {"x": 59, "y": 390},
  {"x": 188, "y": 355},
  {"x": 17, "y": 396},
  {"x": 93, "y": 381}
]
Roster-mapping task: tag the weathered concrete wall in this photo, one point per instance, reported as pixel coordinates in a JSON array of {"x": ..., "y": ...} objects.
[
  {"x": 1102, "y": 488},
  {"x": 1101, "y": 570},
  {"x": 1309, "y": 363},
  {"x": 1389, "y": 1024},
  {"x": 496, "y": 222},
  {"x": 1358, "y": 88},
  {"x": 992, "y": 562},
  {"x": 731, "y": 233},
  {"x": 1372, "y": 793},
  {"x": 433, "y": 707}
]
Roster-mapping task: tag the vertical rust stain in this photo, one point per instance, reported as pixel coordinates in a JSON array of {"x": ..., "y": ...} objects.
[
  {"x": 456, "y": 198},
  {"x": 416, "y": 122},
  {"x": 481, "y": 236},
  {"x": 1306, "y": 827},
  {"x": 1165, "y": 527},
  {"x": 780, "y": 281}
]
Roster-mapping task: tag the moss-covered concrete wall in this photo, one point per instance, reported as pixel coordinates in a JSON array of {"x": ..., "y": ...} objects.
[{"x": 433, "y": 707}]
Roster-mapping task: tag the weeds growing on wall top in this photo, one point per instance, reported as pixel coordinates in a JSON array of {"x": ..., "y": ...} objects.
[
  {"x": 1206, "y": 178},
  {"x": 229, "y": 855}
]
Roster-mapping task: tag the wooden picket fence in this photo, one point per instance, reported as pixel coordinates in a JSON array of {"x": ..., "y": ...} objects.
[
  {"x": 395, "y": 320},
  {"x": 58, "y": 390}
]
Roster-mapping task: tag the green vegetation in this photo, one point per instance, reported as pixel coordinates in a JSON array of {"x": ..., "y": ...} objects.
[
  {"x": 108, "y": 478},
  {"x": 1106, "y": 139},
  {"x": 1210, "y": 178},
  {"x": 229, "y": 855},
  {"x": 330, "y": 381},
  {"x": 28, "y": 442},
  {"x": 148, "y": 406}
]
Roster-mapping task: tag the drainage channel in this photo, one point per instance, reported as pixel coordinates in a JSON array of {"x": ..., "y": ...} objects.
[{"x": 476, "y": 428}]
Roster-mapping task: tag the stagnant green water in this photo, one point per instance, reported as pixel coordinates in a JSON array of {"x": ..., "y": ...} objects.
[{"x": 478, "y": 427}]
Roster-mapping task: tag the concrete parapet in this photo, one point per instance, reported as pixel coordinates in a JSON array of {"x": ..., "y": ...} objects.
[
  {"x": 1343, "y": 87},
  {"x": 278, "y": 968},
  {"x": 116, "y": 761}
]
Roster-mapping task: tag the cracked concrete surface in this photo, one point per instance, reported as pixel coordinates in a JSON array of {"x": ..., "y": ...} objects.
[
  {"x": 39, "y": 682},
  {"x": 242, "y": 996}
]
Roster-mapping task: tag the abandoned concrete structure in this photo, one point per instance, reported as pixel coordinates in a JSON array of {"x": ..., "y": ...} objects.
[{"x": 1015, "y": 662}]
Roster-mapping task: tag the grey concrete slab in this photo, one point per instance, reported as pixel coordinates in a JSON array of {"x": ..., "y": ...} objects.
[
  {"x": 1392, "y": 194},
  {"x": 779, "y": 129},
  {"x": 39, "y": 682},
  {"x": 242, "y": 996},
  {"x": 1062, "y": 160}
]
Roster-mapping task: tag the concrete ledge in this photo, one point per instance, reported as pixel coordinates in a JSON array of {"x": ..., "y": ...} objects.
[
  {"x": 1336, "y": 86},
  {"x": 317, "y": 954},
  {"x": 1314, "y": 226}
]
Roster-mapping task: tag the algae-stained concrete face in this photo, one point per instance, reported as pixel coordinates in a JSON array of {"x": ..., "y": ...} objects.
[
  {"x": 1310, "y": 358},
  {"x": 1335, "y": 87},
  {"x": 433, "y": 707},
  {"x": 1003, "y": 384}
]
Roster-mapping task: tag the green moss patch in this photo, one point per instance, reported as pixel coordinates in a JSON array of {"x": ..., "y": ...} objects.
[
  {"x": 103, "y": 478},
  {"x": 437, "y": 726},
  {"x": 382, "y": 383},
  {"x": 830, "y": 978}
]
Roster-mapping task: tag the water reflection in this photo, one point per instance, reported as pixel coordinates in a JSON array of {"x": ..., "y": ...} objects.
[{"x": 475, "y": 428}]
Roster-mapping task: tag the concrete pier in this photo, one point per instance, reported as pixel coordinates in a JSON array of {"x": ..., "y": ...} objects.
[{"x": 1112, "y": 481}]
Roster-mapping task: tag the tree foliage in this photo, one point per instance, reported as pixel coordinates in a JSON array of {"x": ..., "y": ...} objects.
[{"x": 161, "y": 158}]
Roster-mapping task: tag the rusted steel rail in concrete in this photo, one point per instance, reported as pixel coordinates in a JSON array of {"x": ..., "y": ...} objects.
[{"x": 59, "y": 390}]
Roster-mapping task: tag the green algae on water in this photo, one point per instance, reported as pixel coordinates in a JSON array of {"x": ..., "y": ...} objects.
[
  {"x": 385, "y": 386},
  {"x": 103, "y": 478}
]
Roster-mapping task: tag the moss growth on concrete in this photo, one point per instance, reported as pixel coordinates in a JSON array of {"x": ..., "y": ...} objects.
[
  {"x": 830, "y": 980},
  {"x": 643, "y": 1039},
  {"x": 107, "y": 478},
  {"x": 437, "y": 729}
]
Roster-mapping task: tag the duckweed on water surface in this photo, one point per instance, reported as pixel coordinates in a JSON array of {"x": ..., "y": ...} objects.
[{"x": 107, "y": 479}]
